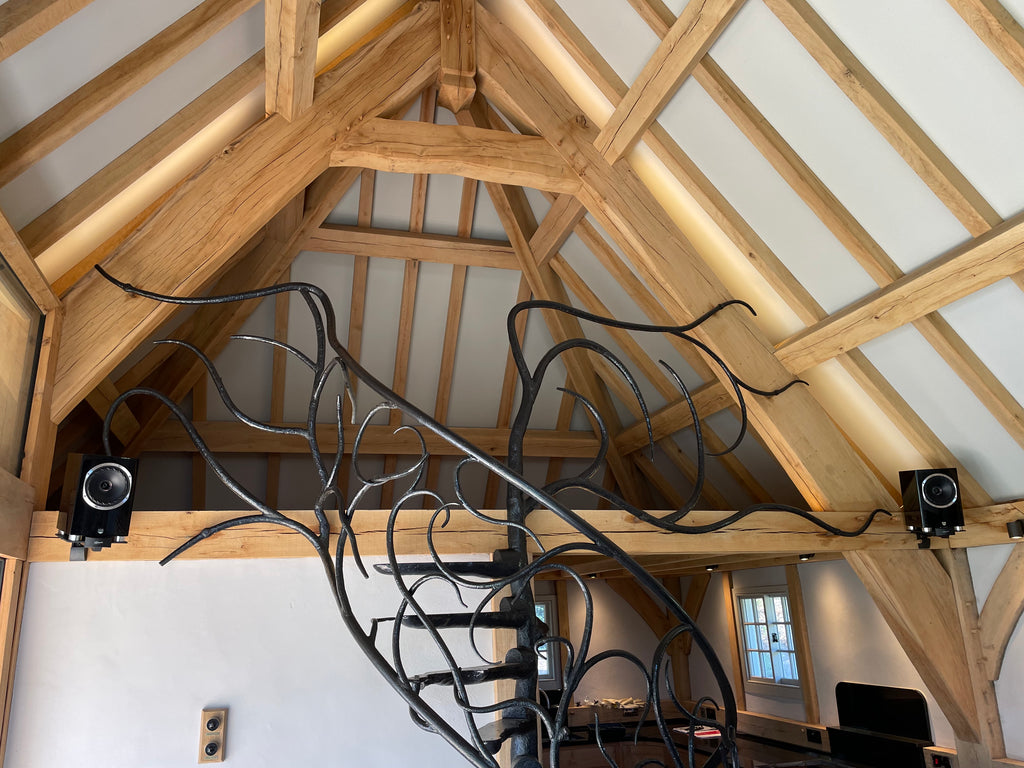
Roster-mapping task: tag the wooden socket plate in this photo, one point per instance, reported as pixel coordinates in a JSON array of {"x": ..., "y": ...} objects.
[{"x": 216, "y": 736}]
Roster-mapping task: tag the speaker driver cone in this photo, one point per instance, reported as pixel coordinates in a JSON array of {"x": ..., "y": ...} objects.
[
  {"x": 939, "y": 490},
  {"x": 106, "y": 486}
]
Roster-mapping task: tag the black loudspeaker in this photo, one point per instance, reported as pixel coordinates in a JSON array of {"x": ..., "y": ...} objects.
[
  {"x": 931, "y": 502},
  {"x": 96, "y": 505}
]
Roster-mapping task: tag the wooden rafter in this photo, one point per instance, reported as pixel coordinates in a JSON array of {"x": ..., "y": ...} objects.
[
  {"x": 78, "y": 205},
  {"x": 453, "y": 320},
  {"x": 210, "y": 327},
  {"x": 22, "y": 21},
  {"x": 410, "y": 278},
  {"x": 998, "y": 29},
  {"x": 885, "y": 113},
  {"x": 758, "y": 254},
  {"x": 62, "y": 121},
  {"x": 402, "y": 146},
  {"x": 508, "y": 390},
  {"x": 693, "y": 33},
  {"x": 292, "y": 27},
  {"x": 103, "y": 323},
  {"x": 868, "y": 253},
  {"x": 389, "y": 244}
]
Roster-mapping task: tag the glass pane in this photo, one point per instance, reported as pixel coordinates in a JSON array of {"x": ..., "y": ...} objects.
[
  {"x": 747, "y": 609},
  {"x": 763, "y": 635},
  {"x": 542, "y": 611},
  {"x": 754, "y": 665},
  {"x": 785, "y": 640},
  {"x": 766, "y": 665},
  {"x": 543, "y": 661},
  {"x": 759, "y": 609},
  {"x": 787, "y": 667},
  {"x": 21, "y": 322},
  {"x": 750, "y": 636}
]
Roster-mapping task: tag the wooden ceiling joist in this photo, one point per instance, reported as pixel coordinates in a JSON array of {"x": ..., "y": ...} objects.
[
  {"x": 62, "y": 121},
  {"x": 292, "y": 28},
  {"x": 393, "y": 244},
  {"x": 222, "y": 205},
  {"x": 402, "y": 146},
  {"x": 154, "y": 534}
]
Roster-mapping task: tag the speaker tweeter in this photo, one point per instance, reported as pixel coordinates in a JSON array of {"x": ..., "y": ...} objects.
[
  {"x": 96, "y": 505},
  {"x": 931, "y": 502}
]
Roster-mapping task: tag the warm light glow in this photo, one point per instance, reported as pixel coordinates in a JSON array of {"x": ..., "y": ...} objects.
[{"x": 63, "y": 255}]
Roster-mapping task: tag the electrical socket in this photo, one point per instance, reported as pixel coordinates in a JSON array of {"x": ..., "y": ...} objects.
[{"x": 212, "y": 729}]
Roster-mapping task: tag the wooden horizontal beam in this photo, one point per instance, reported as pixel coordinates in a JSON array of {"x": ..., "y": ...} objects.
[
  {"x": 404, "y": 146},
  {"x": 235, "y": 437},
  {"x": 154, "y": 534},
  {"x": 390, "y": 244},
  {"x": 968, "y": 268}
]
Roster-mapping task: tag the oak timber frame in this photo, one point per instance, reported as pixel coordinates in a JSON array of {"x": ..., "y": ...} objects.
[{"x": 588, "y": 169}]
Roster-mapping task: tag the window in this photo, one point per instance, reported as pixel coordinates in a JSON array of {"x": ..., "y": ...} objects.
[
  {"x": 766, "y": 640},
  {"x": 548, "y": 654}
]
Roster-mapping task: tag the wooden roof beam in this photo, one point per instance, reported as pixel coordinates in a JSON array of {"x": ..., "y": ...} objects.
[
  {"x": 210, "y": 327},
  {"x": 230, "y": 199},
  {"x": 292, "y": 28},
  {"x": 690, "y": 37},
  {"x": 453, "y": 321},
  {"x": 234, "y": 437},
  {"x": 402, "y": 146},
  {"x": 1002, "y": 611},
  {"x": 998, "y": 29},
  {"x": 22, "y": 21},
  {"x": 154, "y": 534},
  {"x": 30, "y": 143},
  {"x": 25, "y": 269},
  {"x": 517, "y": 218},
  {"x": 868, "y": 253},
  {"x": 960, "y": 272},
  {"x": 885, "y": 113},
  {"x": 393, "y": 244}
]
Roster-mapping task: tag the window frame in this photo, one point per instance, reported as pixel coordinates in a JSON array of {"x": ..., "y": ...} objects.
[
  {"x": 553, "y": 678},
  {"x": 759, "y": 685}
]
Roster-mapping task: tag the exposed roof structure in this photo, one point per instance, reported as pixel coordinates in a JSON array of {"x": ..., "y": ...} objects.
[{"x": 852, "y": 171}]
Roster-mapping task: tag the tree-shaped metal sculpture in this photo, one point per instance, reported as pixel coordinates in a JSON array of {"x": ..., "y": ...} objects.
[{"x": 512, "y": 569}]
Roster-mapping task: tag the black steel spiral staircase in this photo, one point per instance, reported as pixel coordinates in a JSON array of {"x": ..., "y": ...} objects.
[{"x": 503, "y": 583}]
